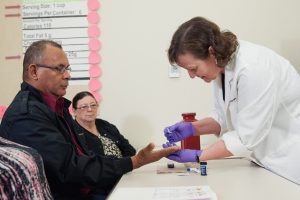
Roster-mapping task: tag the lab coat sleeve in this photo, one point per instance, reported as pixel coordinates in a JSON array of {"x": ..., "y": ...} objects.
[
  {"x": 234, "y": 145},
  {"x": 254, "y": 108}
]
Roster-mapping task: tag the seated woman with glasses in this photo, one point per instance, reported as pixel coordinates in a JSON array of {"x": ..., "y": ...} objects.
[{"x": 102, "y": 137}]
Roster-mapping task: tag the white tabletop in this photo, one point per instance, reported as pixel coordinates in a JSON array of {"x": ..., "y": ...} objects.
[{"x": 230, "y": 179}]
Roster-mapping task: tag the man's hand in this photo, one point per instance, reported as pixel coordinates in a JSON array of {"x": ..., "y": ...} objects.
[
  {"x": 179, "y": 131},
  {"x": 148, "y": 155}
]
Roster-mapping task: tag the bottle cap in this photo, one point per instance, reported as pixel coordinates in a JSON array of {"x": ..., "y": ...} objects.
[
  {"x": 191, "y": 114},
  {"x": 170, "y": 165}
]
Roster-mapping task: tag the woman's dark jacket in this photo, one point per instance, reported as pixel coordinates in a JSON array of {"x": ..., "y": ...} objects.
[{"x": 110, "y": 131}]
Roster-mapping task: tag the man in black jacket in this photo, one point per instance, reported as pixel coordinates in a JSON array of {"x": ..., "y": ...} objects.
[{"x": 38, "y": 117}]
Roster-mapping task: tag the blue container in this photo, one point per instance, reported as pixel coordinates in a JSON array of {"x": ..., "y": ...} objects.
[{"x": 203, "y": 168}]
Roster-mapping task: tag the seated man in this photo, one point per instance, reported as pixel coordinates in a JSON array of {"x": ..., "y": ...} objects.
[
  {"x": 38, "y": 117},
  {"x": 22, "y": 173}
]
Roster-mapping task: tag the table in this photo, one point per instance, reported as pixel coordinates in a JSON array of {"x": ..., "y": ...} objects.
[{"x": 230, "y": 179}]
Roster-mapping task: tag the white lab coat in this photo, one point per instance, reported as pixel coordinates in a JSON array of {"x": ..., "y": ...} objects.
[{"x": 260, "y": 118}]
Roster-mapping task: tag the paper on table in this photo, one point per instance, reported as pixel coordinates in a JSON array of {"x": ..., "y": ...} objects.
[{"x": 165, "y": 193}]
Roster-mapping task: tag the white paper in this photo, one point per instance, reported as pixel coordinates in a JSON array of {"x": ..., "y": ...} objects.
[{"x": 165, "y": 193}]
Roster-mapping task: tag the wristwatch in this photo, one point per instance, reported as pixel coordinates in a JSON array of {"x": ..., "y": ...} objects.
[{"x": 197, "y": 159}]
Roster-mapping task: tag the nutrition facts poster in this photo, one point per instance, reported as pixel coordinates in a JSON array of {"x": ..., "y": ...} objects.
[{"x": 71, "y": 23}]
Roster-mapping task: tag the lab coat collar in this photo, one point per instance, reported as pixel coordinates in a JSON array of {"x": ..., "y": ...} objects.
[
  {"x": 229, "y": 75},
  {"x": 230, "y": 87}
]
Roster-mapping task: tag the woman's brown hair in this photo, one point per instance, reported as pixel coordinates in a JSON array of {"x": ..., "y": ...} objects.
[{"x": 197, "y": 35}]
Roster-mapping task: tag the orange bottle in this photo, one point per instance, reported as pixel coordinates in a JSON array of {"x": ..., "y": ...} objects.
[{"x": 192, "y": 142}]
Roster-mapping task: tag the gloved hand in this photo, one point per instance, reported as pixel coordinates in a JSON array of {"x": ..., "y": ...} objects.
[
  {"x": 184, "y": 155},
  {"x": 179, "y": 131}
]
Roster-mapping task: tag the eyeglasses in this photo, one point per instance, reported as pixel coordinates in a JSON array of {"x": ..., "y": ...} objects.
[
  {"x": 86, "y": 107},
  {"x": 60, "y": 69}
]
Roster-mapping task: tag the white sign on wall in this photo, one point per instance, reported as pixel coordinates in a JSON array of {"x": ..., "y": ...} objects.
[{"x": 64, "y": 22}]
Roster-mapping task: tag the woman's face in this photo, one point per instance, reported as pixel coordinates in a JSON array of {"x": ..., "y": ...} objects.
[
  {"x": 87, "y": 109},
  {"x": 206, "y": 69}
]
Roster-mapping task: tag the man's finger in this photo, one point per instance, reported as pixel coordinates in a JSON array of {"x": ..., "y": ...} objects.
[
  {"x": 149, "y": 147},
  {"x": 169, "y": 150}
]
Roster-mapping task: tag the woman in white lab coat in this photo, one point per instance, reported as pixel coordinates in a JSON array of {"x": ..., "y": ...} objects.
[{"x": 257, "y": 99}]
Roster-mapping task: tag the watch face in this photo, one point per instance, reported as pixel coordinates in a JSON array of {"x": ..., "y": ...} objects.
[{"x": 197, "y": 158}]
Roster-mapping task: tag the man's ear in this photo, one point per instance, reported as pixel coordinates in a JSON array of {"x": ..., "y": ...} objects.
[
  {"x": 32, "y": 72},
  {"x": 73, "y": 111},
  {"x": 211, "y": 50}
]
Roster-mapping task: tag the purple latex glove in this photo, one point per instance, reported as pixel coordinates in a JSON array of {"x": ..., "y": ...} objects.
[
  {"x": 184, "y": 155},
  {"x": 179, "y": 131}
]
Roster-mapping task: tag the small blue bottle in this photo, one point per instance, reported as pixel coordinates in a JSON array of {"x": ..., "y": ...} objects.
[{"x": 203, "y": 168}]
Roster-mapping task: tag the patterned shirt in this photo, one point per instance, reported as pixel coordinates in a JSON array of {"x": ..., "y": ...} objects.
[
  {"x": 22, "y": 173},
  {"x": 109, "y": 147}
]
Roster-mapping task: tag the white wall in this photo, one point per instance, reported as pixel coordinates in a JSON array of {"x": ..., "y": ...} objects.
[{"x": 138, "y": 95}]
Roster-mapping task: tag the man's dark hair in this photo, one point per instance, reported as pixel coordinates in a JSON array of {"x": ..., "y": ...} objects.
[{"x": 34, "y": 54}]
